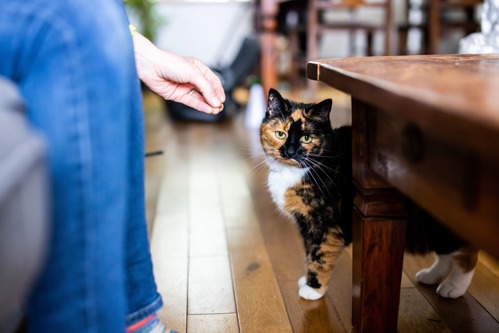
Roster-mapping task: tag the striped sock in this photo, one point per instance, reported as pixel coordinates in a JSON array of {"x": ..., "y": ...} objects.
[{"x": 150, "y": 324}]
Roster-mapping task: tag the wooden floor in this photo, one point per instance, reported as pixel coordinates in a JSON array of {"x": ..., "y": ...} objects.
[{"x": 226, "y": 261}]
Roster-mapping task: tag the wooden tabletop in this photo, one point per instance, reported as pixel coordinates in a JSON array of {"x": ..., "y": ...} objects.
[
  {"x": 452, "y": 102},
  {"x": 463, "y": 89}
]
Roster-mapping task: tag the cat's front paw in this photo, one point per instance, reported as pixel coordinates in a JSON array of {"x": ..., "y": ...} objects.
[
  {"x": 307, "y": 292},
  {"x": 449, "y": 290},
  {"x": 428, "y": 276}
]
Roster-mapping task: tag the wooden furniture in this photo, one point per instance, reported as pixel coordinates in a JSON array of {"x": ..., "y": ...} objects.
[
  {"x": 435, "y": 17},
  {"x": 266, "y": 12},
  {"x": 317, "y": 25},
  {"x": 427, "y": 126},
  {"x": 353, "y": 21},
  {"x": 265, "y": 24}
]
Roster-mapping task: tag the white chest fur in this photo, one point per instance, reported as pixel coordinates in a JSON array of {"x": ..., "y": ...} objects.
[{"x": 281, "y": 178}]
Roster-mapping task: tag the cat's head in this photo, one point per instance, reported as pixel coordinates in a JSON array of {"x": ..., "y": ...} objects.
[{"x": 295, "y": 133}]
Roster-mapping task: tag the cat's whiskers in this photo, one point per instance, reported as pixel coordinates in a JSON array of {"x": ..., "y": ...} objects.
[
  {"x": 317, "y": 165},
  {"x": 260, "y": 167},
  {"x": 312, "y": 177},
  {"x": 322, "y": 165},
  {"x": 253, "y": 156}
]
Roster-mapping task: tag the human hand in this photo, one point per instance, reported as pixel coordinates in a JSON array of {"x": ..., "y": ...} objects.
[{"x": 181, "y": 79}]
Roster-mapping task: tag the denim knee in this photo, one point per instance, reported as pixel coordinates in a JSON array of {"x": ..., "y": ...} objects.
[{"x": 74, "y": 63}]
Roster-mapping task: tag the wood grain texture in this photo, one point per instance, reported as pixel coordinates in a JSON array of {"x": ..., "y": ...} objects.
[
  {"x": 310, "y": 316},
  {"x": 461, "y": 96},
  {"x": 485, "y": 289},
  {"x": 378, "y": 245},
  {"x": 219, "y": 323},
  {"x": 172, "y": 281},
  {"x": 210, "y": 286},
  {"x": 169, "y": 248},
  {"x": 438, "y": 174},
  {"x": 259, "y": 302},
  {"x": 464, "y": 314},
  {"x": 417, "y": 315}
]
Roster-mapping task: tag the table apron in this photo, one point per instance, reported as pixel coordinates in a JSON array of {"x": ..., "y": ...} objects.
[{"x": 458, "y": 186}]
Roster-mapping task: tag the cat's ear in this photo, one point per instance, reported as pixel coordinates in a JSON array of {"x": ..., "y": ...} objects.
[
  {"x": 321, "y": 110},
  {"x": 275, "y": 105}
]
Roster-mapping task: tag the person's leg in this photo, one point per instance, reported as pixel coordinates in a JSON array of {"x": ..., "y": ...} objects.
[
  {"x": 143, "y": 299},
  {"x": 74, "y": 64}
]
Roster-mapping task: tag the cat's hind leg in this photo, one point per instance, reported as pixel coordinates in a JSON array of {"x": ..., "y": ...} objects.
[
  {"x": 453, "y": 272},
  {"x": 462, "y": 269},
  {"x": 437, "y": 272},
  {"x": 321, "y": 259}
]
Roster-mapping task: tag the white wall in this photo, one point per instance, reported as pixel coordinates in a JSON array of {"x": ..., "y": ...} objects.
[{"x": 211, "y": 31}]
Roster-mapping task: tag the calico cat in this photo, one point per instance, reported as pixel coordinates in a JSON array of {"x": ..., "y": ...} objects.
[{"x": 310, "y": 181}]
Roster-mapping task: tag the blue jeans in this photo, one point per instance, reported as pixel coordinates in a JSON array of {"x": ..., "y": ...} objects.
[{"x": 73, "y": 61}]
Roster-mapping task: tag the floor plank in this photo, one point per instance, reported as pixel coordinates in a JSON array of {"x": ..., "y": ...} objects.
[
  {"x": 170, "y": 258},
  {"x": 485, "y": 288},
  {"x": 210, "y": 286},
  {"x": 464, "y": 314},
  {"x": 310, "y": 316},
  {"x": 218, "y": 323},
  {"x": 260, "y": 305},
  {"x": 416, "y": 314}
]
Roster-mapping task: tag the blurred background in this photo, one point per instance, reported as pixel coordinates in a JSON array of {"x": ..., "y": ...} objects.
[{"x": 290, "y": 33}]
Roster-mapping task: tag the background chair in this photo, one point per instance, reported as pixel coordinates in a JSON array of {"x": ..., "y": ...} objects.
[
  {"x": 348, "y": 16},
  {"x": 433, "y": 18}
]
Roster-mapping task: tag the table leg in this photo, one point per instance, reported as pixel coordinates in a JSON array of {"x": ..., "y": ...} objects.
[
  {"x": 379, "y": 224},
  {"x": 378, "y": 250}
]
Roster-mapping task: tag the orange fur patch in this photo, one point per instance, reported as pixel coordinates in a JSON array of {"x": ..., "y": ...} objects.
[
  {"x": 294, "y": 203},
  {"x": 330, "y": 250},
  {"x": 466, "y": 258}
]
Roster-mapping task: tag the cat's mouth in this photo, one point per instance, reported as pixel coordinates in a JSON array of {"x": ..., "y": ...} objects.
[{"x": 291, "y": 162}]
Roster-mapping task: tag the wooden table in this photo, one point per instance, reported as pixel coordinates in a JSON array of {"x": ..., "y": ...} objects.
[{"x": 427, "y": 127}]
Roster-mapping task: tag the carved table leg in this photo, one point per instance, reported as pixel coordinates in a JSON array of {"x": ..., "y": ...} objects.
[
  {"x": 378, "y": 249},
  {"x": 379, "y": 224}
]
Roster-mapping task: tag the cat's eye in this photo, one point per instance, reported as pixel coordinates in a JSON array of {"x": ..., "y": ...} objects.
[
  {"x": 280, "y": 135},
  {"x": 306, "y": 139}
]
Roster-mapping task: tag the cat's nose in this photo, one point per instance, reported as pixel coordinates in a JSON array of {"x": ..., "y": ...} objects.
[{"x": 290, "y": 151}]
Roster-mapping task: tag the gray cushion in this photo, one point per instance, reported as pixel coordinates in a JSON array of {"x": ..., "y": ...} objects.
[{"x": 23, "y": 206}]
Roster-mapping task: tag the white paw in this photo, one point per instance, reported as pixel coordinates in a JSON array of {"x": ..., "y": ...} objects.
[
  {"x": 449, "y": 290},
  {"x": 427, "y": 276},
  {"x": 456, "y": 285},
  {"x": 307, "y": 292}
]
